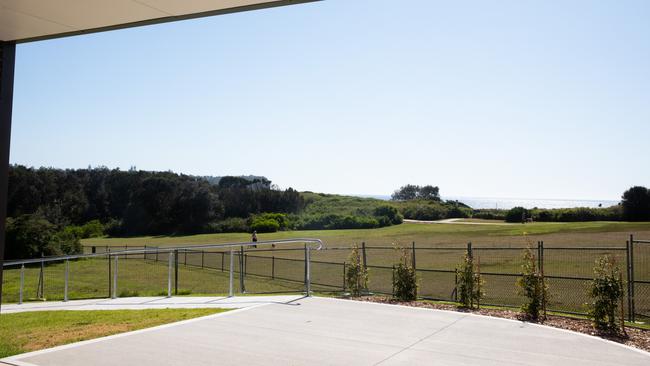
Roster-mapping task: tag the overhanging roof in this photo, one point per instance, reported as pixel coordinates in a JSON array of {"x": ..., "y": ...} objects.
[{"x": 32, "y": 20}]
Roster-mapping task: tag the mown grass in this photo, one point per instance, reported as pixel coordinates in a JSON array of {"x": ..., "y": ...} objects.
[
  {"x": 609, "y": 233},
  {"x": 31, "y": 331}
]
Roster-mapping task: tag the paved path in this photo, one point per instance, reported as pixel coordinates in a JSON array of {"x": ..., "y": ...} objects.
[
  {"x": 130, "y": 303},
  {"x": 314, "y": 331}
]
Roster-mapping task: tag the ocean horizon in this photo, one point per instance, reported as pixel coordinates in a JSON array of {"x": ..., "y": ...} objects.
[{"x": 508, "y": 203}]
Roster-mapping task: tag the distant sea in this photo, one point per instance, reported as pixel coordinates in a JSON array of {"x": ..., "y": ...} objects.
[{"x": 508, "y": 203}]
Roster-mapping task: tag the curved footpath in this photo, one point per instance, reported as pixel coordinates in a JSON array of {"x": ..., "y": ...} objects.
[{"x": 313, "y": 331}]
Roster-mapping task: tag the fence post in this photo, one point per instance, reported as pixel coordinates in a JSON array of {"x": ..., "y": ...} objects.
[
  {"x": 305, "y": 264},
  {"x": 65, "y": 281},
  {"x": 242, "y": 287},
  {"x": 469, "y": 250},
  {"x": 456, "y": 285},
  {"x": 273, "y": 267},
  {"x": 202, "y": 257},
  {"x": 22, "y": 283},
  {"x": 230, "y": 290},
  {"x": 343, "y": 276},
  {"x": 185, "y": 259},
  {"x": 541, "y": 269},
  {"x": 170, "y": 264},
  {"x": 308, "y": 270},
  {"x": 413, "y": 255},
  {"x": 110, "y": 275},
  {"x": 41, "y": 279},
  {"x": 176, "y": 272},
  {"x": 222, "y": 255},
  {"x": 632, "y": 280},
  {"x": 363, "y": 252},
  {"x": 114, "y": 295},
  {"x": 629, "y": 282}
]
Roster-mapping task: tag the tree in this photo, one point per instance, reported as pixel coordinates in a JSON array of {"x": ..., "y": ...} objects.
[
  {"x": 517, "y": 214},
  {"x": 406, "y": 193},
  {"x": 429, "y": 193},
  {"x": 636, "y": 204}
]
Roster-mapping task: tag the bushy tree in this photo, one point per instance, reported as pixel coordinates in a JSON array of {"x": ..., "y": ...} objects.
[
  {"x": 406, "y": 193},
  {"x": 606, "y": 292},
  {"x": 29, "y": 236},
  {"x": 636, "y": 204},
  {"x": 356, "y": 275},
  {"x": 517, "y": 214},
  {"x": 429, "y": 193}
]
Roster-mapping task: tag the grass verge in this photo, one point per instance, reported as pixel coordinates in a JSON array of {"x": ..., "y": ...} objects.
[{"x": 31, "y": 331}]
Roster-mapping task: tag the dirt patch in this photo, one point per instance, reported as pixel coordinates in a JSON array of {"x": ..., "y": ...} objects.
[{"x": 638, "y": 338}]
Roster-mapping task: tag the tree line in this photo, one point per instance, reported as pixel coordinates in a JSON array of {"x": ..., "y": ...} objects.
[{"x": 127, "y": 203}]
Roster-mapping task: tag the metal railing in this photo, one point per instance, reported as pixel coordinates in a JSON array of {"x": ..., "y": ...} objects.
[{"x": 113, "y": 258}]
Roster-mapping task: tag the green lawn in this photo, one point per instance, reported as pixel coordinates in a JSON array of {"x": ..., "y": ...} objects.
[
  {"x": 608, "y": 233},
  {"x": 31, "y": 331}
]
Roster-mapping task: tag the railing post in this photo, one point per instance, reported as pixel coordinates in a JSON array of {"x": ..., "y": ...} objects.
[
  {"x": 363, "y": 253},
  {"x": 308, "y": 275},
  {"x": 114, "y": 295},
  {"x": 170, "y": 266},
  {"x": 65, "y": 282},
  {"x": 222, "y": 255},
  {"x": 541, "y": 271},
  {"x": 232, "y": 261},
  {"x": 110, "y": 274},
  {"x": 273, "y": 267},
  {"x": 22, "y": 284},
  {"x": 176, "y": 272},
  {"x": 242, "y": 289}
]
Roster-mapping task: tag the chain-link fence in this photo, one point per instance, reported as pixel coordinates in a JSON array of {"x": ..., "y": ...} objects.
[{"x": 157, "y": 271}]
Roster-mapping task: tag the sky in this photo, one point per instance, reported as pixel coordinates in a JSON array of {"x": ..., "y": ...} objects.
[{"x": 535, "y": 99}]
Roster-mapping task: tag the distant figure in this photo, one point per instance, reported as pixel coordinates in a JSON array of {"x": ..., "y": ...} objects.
[{"x": 254, "y": 238}]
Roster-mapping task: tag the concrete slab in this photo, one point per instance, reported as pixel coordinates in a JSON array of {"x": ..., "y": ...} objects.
[
  {"x": 338, "y": 332},
  {"x": 134, "y": 303}
]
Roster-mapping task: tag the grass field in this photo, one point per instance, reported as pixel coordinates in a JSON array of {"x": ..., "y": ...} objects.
[
  {"x": 31, "y": 331},
  {"x": 581, "y": 233},
  {"x": 440, "y": 248}
]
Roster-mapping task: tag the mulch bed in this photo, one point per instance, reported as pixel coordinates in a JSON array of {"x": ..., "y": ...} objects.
[{"x": 638, "y": 338}]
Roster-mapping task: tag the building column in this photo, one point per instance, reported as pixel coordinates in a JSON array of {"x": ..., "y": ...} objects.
[{"x": 7, "y": 63}]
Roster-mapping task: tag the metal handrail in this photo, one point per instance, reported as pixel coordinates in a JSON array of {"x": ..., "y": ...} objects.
[
  {"x": 317, "y": 242},
  {"x": 173, "y": 257}
]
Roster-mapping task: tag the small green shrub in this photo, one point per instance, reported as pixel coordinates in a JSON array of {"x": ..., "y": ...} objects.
[
  {"x": 356, "y": 275},
  {"x": 606, "y": 291},
  {"x": 265, "y": 225},
  {"x": 532, "y": 286},
  {"x": 405, "y": 284},
  {"x": 470, "y": 283},
  {"x": 128, "y": 293},
  {"x": 229, "y": 225}
]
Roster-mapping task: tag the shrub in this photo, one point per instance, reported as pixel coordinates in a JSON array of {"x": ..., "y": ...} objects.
[
  {"x": 335, "y": 221},
  {"x": 405, "y": 286},
  {"x": 282, "y": 219},
  {"x": 356, "y": 276},
  {"x": 387, "y": 215},
  {"x": 229, "y": 225},
  {"x": 532, "y": 286},
  {"x": 606, "y": 291},
  {"x": 469, "y": 283},
  {"x": 422, "y": 211},
  {"x": 517, "y": 214},
  {"x": 489, "y": 214},
  {"x": 265, "y": 225}
]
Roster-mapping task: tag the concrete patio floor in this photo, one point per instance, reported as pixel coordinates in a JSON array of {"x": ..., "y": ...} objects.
[{"x": 314, "y": 331}]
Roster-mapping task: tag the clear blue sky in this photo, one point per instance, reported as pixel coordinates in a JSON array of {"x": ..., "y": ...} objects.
[{"x": 540, "y": 99}]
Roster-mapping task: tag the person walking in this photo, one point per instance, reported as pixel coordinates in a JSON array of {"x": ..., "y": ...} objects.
[{"x": 254, "y": 238}]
